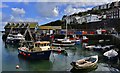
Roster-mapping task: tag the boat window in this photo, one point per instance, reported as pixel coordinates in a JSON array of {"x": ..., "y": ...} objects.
[
  {"x": 19, "y": 37},
  {"x": 10, "y": 36},
  {"x": 36, "y": 45},
  {"x": 30, "y": 47},
  {"x": 41, "y": 44},
  {"x": 47, "y": 44}
]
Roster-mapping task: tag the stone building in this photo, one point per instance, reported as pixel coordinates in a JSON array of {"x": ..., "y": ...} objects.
[{"x": 20, "y": 27}]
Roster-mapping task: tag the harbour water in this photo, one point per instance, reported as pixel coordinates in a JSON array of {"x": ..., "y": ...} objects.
[{"x": 57, "y": 61}]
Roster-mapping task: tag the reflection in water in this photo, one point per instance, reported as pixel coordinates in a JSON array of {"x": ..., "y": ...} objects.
[
  {"x": 10, "y": 48},
  {"x": 35, "y": 65},
  {"x": 57, "y": 62}
]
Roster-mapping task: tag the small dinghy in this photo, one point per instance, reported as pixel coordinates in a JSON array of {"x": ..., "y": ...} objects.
[
  {"x": 86, "y": 63},
  {"x": 89, "y": 47},
  {"x": 108, "y": 47},
  {"x": 97, "y": 48},
  {"x": 111, "y": 54}
]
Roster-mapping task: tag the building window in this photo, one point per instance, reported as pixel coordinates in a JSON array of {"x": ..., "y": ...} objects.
[{"x": 119, "y": 14}]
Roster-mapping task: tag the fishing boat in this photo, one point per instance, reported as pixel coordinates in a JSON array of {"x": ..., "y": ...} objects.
[
  {"x": 84, "y": 39},
  {"x": 111, "y": 54},
  {"x": 15, "y": 38},
  {"x": 63, "y": 42},
  {"x": 59, "y": 50},
  {"x": 36, "y": 50},
  {"x": 75, "y": 39},
  {"x": 86, "y": 63}
]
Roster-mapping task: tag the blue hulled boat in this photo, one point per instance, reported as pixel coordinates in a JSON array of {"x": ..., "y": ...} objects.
[{"x": 39, "y": 50}]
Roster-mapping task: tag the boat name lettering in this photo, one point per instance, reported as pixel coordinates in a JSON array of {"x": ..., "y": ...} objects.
[{"x": 40, "y": 53}]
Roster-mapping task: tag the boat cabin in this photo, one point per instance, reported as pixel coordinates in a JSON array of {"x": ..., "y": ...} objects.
[
  {"x": 42, "y": 45},
  {"x": 37, "y": 46}
]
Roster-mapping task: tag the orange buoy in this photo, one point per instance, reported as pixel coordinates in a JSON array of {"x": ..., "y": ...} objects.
[{"x": 17, "y": 66}]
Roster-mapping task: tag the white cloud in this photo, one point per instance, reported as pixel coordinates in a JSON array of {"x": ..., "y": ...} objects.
[
  {"x": 55, "y": 11},
  {"x": 0, "y": 15},
  {"x": 71, "y": 10},
  {"x": 2, "y": 5},
  {"x": 48, "y": 9},
  {"x": 58, "y": 0},
  {"x": 18, "y": 11}
]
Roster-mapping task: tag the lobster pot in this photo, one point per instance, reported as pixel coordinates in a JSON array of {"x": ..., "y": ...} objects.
[
  {"x": 62, "y": 32},
  {"x": 78, "y": 32},
  {"x": 91, "y": 32},
  {"x": 84, "y": 32},
  {"x": 70, "y": 32}
]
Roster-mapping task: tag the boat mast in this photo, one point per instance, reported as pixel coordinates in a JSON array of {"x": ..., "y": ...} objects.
[
  {"x": 67, "y": 21},
  {"x": 66, "y": 28}
]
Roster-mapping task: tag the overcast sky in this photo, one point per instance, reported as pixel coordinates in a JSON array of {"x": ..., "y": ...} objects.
[{"x": 45, "y": 11}]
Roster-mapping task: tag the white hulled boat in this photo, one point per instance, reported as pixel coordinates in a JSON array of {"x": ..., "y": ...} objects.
[
  {"x": 111, "y": 54},
  {"x": 86, "y": 63},
  {"x": 15, "y": 38},
  {"x": 63, "y": 42}
]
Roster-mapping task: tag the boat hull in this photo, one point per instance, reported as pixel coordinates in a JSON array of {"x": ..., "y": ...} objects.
[
  {"x": 64, "y": 45},
  {"x": 77, "y": 42},
  {"x": 17, "y": 41},
  {"x": 85, "y": 41},
  {"x": 111, "y": 58},
  {"x": 35, "y": 55},
  {"x": 82, "y": 64}
]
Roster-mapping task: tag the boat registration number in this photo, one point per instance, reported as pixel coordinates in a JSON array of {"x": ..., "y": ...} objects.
[{"x": 40, "y": 53}]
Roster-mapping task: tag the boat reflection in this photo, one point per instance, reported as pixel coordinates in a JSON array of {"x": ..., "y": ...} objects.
[
  {"x": 10, "y": 48},
  {"x": 34, "y": 65}
]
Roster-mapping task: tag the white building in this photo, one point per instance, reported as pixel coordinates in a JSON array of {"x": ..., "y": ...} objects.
[
  {"x": 83, "y": 19},
  {"x": 113, "y": 13},
  {"x": 69, "y": 19},
  {"x": 79, "y": 19},
  {"x": 95, "y": 8},
  {"x": 92, "y": 18}
]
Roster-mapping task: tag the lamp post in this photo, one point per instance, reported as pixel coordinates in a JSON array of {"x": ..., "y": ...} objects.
[{"x": 67, "y": 21}]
